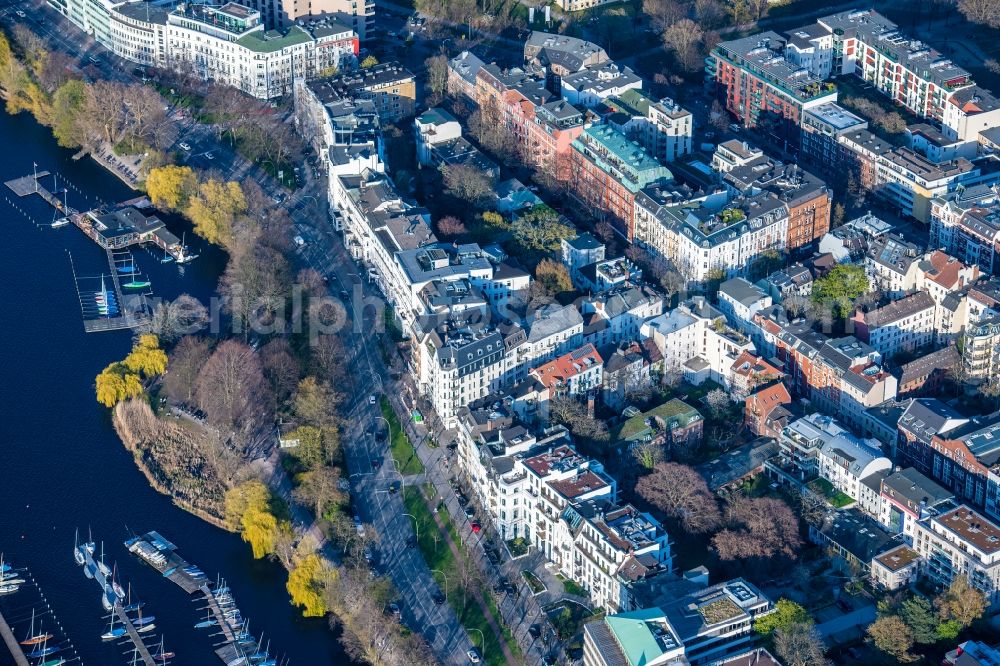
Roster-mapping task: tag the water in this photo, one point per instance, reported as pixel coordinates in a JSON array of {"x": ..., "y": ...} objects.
[{"x": 61, "y": 465}]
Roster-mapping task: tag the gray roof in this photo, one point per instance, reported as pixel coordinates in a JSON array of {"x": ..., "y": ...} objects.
[
  {"x": 926, "y": 417},
  {"x": 912, "y": 489},
  {"x": 466, "y": 64},
  {"x": 741, "y": 291},
  {"x": 568, "y": 52},
  {"x": 899, "y": 309},
  {"x": 553, "y": 319},
  {"x": 601, "y": 78},
  {"x": 442, "y": 260},
  {"x": 854, "y": 453},
  {"x": 856, "y": 533}
]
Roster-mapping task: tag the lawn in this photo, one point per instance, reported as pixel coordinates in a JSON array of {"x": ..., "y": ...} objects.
[
  {"x": 439, "y": 557},
  {"x": 517, "y": 547},
  {"x": 826, "y": 490},
  {"x": 402, "y": 450},
  {"x": 572, "y": 587}
]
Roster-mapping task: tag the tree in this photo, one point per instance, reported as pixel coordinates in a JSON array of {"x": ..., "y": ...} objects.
[
  {"x": 231, "y": 388},
  {"x": 761, "y": 527},
  {"x": 839, "y": 213},
  {"x": 648, "y": 454},
  {"x": 540, "y": 229},
  {"x": 718, "y": 401},
  {"x": 242, "y": 498},
  {"x": 663, "y": 13},
  {"x": 961, "y": 602},
  {"x": 182, "y": 316},
  {"x": 171, "y": 186},
  {"x": 468, "y": 183},
  {"x": 116, "y": 383},
  {"x": 553, "y": 276},
  {"x": 838, "y": 289},
  {"x": 67, "y": 105},
  {"x": 281, "y": 369},
  {"x": 740, "y": 12},
  {"x": 213, "y": 210},
  {"x": 569, "y": 411},
  {"x": 316, "y": 403},
  {"x": 368, "y": 62},
  {"x": 318, "y": 489},
  {"x": 918, "y": 614},
  {"x": 146, "y": 357},
  {"x": 985, "y": 12},
  {"x": 800, "y": 644},
  {"x": 186, "y": 362},
  {"x": 437, "y": 78},
  {"x": 710, "y": 13},
  {"x": 681, "y": 493},
  {"x": 684, "y": 39},
  {"x": 786, "y": 613},
  {"x": 891, "y": 635},
  {"x": 255, "y": 287},
  {"x": 307, "y": 583},
  {"x": 451, "y": 227}
]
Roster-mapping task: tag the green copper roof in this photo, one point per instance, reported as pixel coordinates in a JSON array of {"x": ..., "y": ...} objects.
[
  {"x": 673, "y": 411},
  {"x": 271, "y": 40},
  {"x": 635, "y": 637},
  {"x": 633, "y": 102},
  {"x": 624, "y": 159}
]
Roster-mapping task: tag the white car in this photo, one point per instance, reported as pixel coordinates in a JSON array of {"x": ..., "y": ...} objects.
[
  {"x": 371, "y": 399},
  {"x": 210, "y": 156},
  {"x": 473, "y": 656},
  {"x": 299, "y": 240},
  {"x": 20, "y": 13},
  {"x": 185, "y": 146}
]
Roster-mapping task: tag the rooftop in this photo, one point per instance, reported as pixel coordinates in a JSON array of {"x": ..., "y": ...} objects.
[
  {"x": 624, "y": 159},
  {"x": 763, "y": 55},
  {"x": 672, "y": 414},
  {"x": 972, "y": 528},
  {"x": 898, "y": 558}
]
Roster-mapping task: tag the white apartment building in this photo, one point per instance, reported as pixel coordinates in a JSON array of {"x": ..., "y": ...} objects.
[
  {"x": 845, "y": 460},
  {"x": 963, "y": 543},
  {"x": 662, "y": 126},
  {"x": 138, "y": 33},
  {"x": 904, "y": 325},
  {"x": 595, "y": 83},
  {"x": 431, "y": 128},
  {"x": 229, "y": 45}
]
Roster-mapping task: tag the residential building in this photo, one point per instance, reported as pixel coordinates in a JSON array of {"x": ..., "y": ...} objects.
[
  {"x": 904, "y": 325},
  {"x": 595, "y": 83},
  {"x": 360, "y": 16},
  {"x": 606, "y": 275},
  {"x": 893, "y": 265},
  {"x": 574, "y": 374},
  {"x": 463, "y": 71},
  {"x": 762, "y": 89},
  {"x": 138, "y": 33},
  {"x": 712, "y": 625},
  {"x": 562, "y": 54},
  {"x": 853, "y": 536},
  {"x": 794, "y": 280},
  {"x": 661, "y": 126},
  {"x": 389, "y": 85},
  {"x": 896, "y": 568},
  {"x": 739, "y": 301},
  {"x": 800, "y": 443},
  {"x": 766, "y": 410},
  {"x": 962, "y": 543},
  {"x": 907, "y": 496},
  {"x": 616, "y": 316},
  {"x": 628, "y": 367},
  {"x": 229, "y": 44},
  {"x": 673, "y": 427},
  {"x": 926, "y": 374},
  {"x": 583, "y": 250},
  {"x": 749, "y": 372},
  {"x": 822, "y": 127},
  {"x": 734, "y": 153},
  {"x": 344, "y": 132},
  {"x": 431, "y": 128},
  {"x": 608, "y": 171},
  {"x": 981, "y": 354},
  {"x": 845, "y": 461},
  {"x": 966, "y": 225}
]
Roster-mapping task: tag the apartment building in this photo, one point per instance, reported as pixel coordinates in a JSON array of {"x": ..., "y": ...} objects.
[
  {"x": 966, "y": 225},
  {"x": 892, "y": 265},
  {"x": 607, "y": 173},
  {"x": 907, "y": 497},
  {"x": 137, "y": 31},
  {"x": 734, "y": 153},
  {"x": 431, "y": 128},
  {"x": 574, "y": 374},
  {"x": 762, "y": 88},
  {"x": 230, "y": 45},
  {"x": 981, "y": 354},
  {"x": 463, "y": 71},
  {"x": 662, "y": 127},
  {"x": 673, "y": 426},
  {"x": 896, "y": 568},
  {"x": 846, "y": 461},
  {"x": 595, "y": 83},
  {"x": 740, "y": 300},
  {"x": 904, "y": 325},
  {"x": 561, "y": 54},
  {"x": 822, "y": 127},
  {"x": 390, "y": 86},
  {"x": 766, "y": 411},
  {"x": 961, "y": 542}
]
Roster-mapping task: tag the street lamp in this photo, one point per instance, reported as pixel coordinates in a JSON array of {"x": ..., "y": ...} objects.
[
  {"x": 482, "y": 638},
  {"x": 445, "y": 581},
  {"x": 416, "y": 525}
]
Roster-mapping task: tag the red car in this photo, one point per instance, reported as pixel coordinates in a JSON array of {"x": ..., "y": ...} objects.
[{"x": 476, "y": 528}]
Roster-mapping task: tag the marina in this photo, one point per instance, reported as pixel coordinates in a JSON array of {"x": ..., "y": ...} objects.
[
  {"x": 113, "y": 598},
  {"x": 236, "y": 646},
  {"x": 28, "y": 627},
  {"x": 106, "y": 302}
]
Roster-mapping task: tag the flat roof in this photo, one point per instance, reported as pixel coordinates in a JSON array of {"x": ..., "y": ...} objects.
[{"x": 972, "y": 528}]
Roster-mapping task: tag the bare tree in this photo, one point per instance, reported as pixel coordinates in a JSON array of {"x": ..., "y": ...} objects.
[
  {"x": 760, "y": 527},
  {"x": 184, "y": 315},
  {"x": 985, "y": 12},
  {"x": 437, "y": 78},
  {"x": 684, "y": 38},
  {"x": 663, "y": 13},
  {"x": 800, "y": 644},
  {"x": 186, "y": 362},
  {"x": 468, "y": 183},
  {"x": 280, "y": 368},
  {"x": 231, "y": 388},
  {"x": 681, "y": 493}
]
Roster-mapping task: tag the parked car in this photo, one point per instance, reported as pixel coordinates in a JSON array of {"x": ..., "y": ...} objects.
[
  {"x": 394, "y": 611},
  {"x": 473, "y": 656},
  {"x": 470, "y": 512},
  {"x": 371, "y": 399},
  {"x": 358, "y": 526},
  {"x": 476, "y": 528},
  {"x": 534, "y": 631},
  {"x": 184, "y": 146},
  {"x": 438, "y": 598}
]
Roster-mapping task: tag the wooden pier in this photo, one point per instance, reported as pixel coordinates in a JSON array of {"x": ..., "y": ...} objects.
[
  {"x": 220, "y": 616},
  {"x": 134, "y": 636},
  {"x": 15, "y": 648}
]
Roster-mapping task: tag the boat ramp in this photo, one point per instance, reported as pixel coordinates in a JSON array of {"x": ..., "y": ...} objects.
[{"x": 236, "y": 647}]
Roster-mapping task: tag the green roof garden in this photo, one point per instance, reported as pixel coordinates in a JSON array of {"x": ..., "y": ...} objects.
[{"x": 271, "y": 40}]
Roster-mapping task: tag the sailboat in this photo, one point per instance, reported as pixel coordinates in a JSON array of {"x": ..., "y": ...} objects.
[
  {"x": 209, "y": 621},
  {"x": 58, "y": 661},
  {"x": 32, "y": 638},
  {"x": 115, "y": 585},
  {"x": 8, "y": 587},
  {"x": 184, "y": 256},
  {"x": 43, "y": 651},
  {"x": 136, "y": 284},
  {"x": 142, "y": 621},
  {"x": 161, "y": 655},
  {"x": 113, "y": 632}
]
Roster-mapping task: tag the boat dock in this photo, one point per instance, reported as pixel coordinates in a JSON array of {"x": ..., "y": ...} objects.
[
  {"x": 15, "y": 649},
  {"x": 140, "y": 647},
  {"x": 236, "y": 645}
]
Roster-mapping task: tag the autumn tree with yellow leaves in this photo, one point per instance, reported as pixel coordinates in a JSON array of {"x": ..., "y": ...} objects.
[
  {"x": 249, "y": 509},
  {"x": 123, "y": 379},
  {"x": 171, "y": 186},
  {"x": 214, "y": 208},
  {"x": 307, "y": 585}
]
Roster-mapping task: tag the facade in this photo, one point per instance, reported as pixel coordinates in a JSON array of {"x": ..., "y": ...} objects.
[
  {"x": 661, "y": 127},
  {"x": 608, "y": 171},
  {"x": 431, "y": 128},
  {"x": 966, "y": 225},
  {"x": 822, "y": 127},
  {"x": 904, "y": 325},
  {"x": 595, "y": 83},
  {"x": 390, "y": 86},
  {"x": 963, "y": 543},
  {"x": 138, "y": 33},
  {"x": 573, "y": 374},
  {"x": 845, "y": 461}
]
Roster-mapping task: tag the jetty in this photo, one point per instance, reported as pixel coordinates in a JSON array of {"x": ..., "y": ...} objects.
[
  {"x": 113, "y": 228},
  {"x": 139, "y": 646},
  {"x": 15, "y": 648},
  {"x": 236, "y": 645}
]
